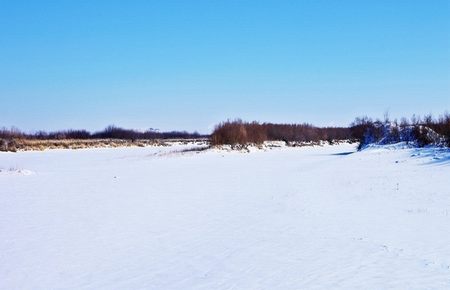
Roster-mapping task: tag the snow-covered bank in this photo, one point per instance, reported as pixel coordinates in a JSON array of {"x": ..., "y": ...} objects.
[
  {"x": 23, "y": 144},
  {"x": 288, "y": 218}
]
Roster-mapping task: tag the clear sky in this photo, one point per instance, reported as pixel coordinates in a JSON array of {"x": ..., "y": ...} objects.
[{"x": 190, "y": 64}]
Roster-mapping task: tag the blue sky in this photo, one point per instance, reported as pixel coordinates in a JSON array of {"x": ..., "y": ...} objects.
[{"x": 190, "y": 64}]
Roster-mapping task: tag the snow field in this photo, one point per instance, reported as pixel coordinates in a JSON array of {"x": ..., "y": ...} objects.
[{"x": 289, "y": 218}]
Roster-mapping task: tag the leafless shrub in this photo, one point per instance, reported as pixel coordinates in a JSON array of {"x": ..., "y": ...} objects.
[
  {"x": 421, "y": 131},
  {"x": 239, "y": 132}
]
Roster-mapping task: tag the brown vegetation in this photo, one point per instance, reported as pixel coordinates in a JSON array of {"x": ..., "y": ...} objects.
[
  {"x": 112, "y": 136},
  {"x": 22, "y": 144},
  {"x": 239, "y": 132}
]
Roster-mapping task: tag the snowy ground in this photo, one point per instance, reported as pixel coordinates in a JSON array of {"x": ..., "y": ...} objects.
[{"x": 291, "y": 218}]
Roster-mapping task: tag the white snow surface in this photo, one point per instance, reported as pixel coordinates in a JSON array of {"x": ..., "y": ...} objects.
[{"x": 323, "y": 217}]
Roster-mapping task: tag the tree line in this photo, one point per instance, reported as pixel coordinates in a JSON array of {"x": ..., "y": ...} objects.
[
  {"x": 363, "y": 130},
  {"x": 110, "y": 132},
  {"x": 240, "y": 132}
]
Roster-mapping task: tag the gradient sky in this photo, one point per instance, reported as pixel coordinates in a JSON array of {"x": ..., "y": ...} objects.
[{"x": 190, "y": 64}]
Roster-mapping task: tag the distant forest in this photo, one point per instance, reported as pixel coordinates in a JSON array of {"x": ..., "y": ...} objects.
[
  {"x": 235, "y": 132},
  {"x": 110, "y": 132}
]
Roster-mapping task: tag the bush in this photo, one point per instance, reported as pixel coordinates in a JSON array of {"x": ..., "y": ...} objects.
[
  {"x": 230, "y": 133},
  {"x": 420, "y": 131}
]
